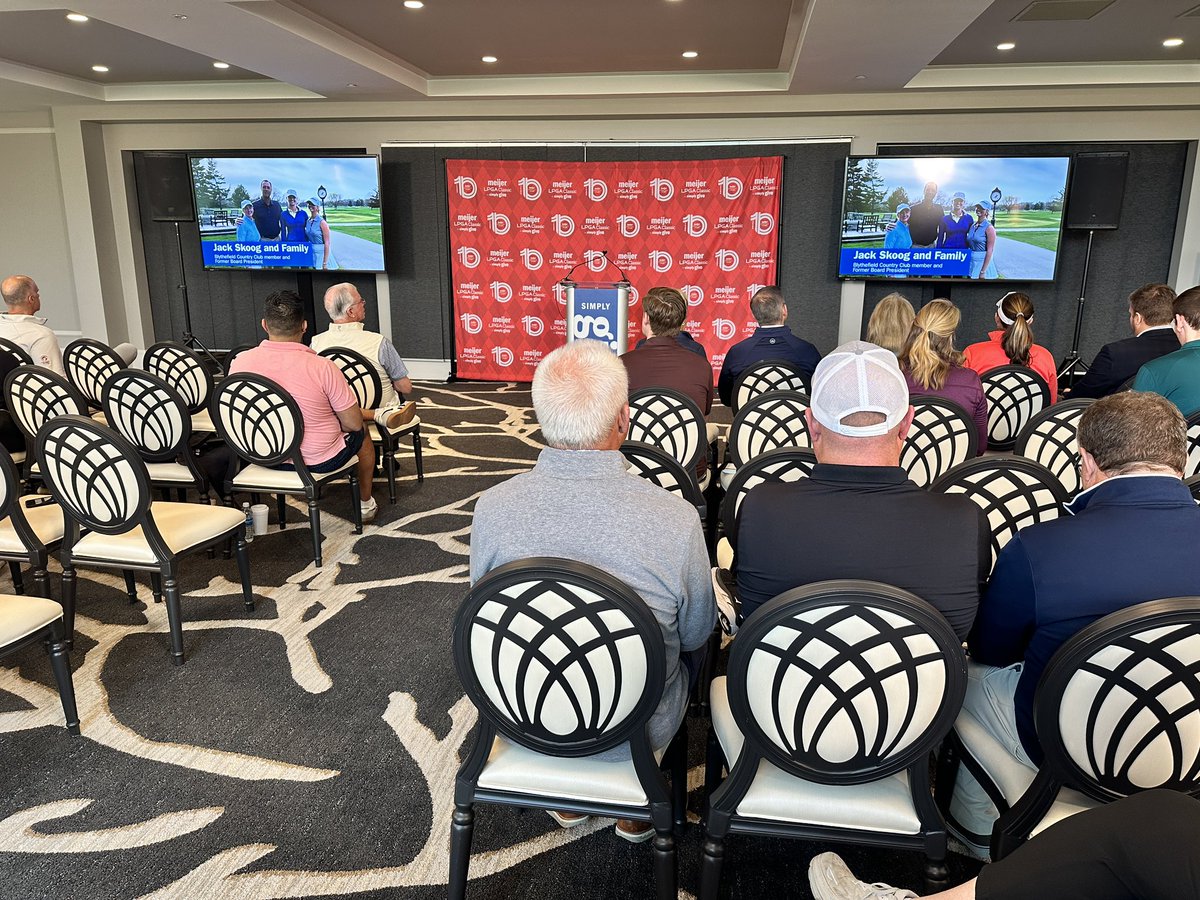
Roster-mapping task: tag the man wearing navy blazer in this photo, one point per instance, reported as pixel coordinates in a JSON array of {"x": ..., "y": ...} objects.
[
  {"x": 771, "y": 340},
  {"x": 1150, "y": 320},
  {"x": 1130, "y": 536}
]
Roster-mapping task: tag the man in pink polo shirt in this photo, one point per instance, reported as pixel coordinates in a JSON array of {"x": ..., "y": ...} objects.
[{"x": 333, "y": 422}]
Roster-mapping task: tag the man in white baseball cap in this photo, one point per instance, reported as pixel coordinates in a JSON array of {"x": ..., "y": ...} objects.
[{"x": 858, "y": 515}]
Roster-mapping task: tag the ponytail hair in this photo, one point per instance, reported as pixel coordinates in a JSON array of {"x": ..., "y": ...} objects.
[
  {"x": 1015, "y": 311},
  {"x": 928, "y": 353}
]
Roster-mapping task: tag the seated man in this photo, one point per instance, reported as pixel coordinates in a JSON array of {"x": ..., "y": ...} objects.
[
  {"x": 333, "y": 424},
  {"x": 858, "y": 515},
  {"x": 1132, "y": 537},
  {"x": 1150, "y": 316},
  {"x": 771, "y": 340},
  {"x": 1177, "y": 375},
  {"x": 579, "y": 502},
  {"x": 347, "y": 310},
  {"x": 21, "y": 324}
]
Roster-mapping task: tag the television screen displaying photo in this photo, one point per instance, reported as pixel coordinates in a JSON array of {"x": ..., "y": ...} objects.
[
  {"x": 982, "y": 217},
  {"x": 289, "y": 212}
]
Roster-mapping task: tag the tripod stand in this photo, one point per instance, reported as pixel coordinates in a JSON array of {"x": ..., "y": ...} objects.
[
  {"x": 189, "y": 339},
  {"x": 1073, "y": 367}
]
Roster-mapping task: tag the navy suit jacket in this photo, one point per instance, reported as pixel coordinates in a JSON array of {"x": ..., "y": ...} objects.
[
  {"x": 772, "y": 342},
  {"x": 1119, "y": 361}
]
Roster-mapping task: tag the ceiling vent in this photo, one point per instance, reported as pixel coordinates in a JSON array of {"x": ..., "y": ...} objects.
[{"x": 1062, "y": 10}]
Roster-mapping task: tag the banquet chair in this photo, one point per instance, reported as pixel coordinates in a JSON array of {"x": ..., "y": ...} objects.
[
  {"x": 102, "y": 486},
  {"x": 30, "y": 529},
  {"x": 263, "y": 425},
  {"x": 672, "y": 421},
  {"x": 1049, "y": 439},
  {"x": 34, "y": 396},
  {"x": 184, "y": 370},
  {"x": 660, "y": 468},
  {"x": 1015, "y": 394},
  {"x": 364, "y": 381},
  {"x": 1192, "y": 467},
  {"x": 1117, "y": 711},
  {"x": 29, "y": 620},
  {"x": 768, "y": 422},
  {"x": 232, "y": 353},
  {"x": 836, "y": 695},
  {"x": 783, "y": 464},
  {"x": 564, "y": 662},
  {"x": 764, "y": 376},
  {"x": 1012, "y": 491},
  {"x": 89, "y": 364},
  {"x": 16, "y": 351},
  {"x": 942, "y": 435}
]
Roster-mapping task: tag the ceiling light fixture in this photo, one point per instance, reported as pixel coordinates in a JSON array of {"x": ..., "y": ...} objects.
[
  {"x": 413, "y": 4},
  {"x": 220, "y": 65},
  {"x": 351, "y": 84},
  {"x": 860, "y": 77},
  {"x": 690, "y": 54},
  {"x": 77, "y": 17},
  {"x": 1172, "y": 42},
  {"x": 488, "y": 59},
  {"x": 179, "y": 16},
  {"x": 99, "y": 68},
  {"x": 1007, "y": 45}
]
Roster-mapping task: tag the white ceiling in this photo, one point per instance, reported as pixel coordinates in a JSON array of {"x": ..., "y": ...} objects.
[{"x": 162, "y": 50}]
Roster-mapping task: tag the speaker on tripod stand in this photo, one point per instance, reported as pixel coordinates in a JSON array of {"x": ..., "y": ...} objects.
[{"x": 1093, "y": 204}]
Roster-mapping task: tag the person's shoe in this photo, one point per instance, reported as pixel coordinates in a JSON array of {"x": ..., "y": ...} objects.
[
  {"x": 396, "y": 416},
  {"x": 635, "y": 832},
  {"x": 566, "y": 819},
  {"x": 830, "y": 879},
  {"x": 726, "y": 606},
  {"x": 369, "y": 510}
]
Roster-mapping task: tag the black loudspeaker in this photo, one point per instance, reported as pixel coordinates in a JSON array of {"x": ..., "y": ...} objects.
[
  {"x": 168, "y": 182},
  {"x": 1097, "y": 189}
]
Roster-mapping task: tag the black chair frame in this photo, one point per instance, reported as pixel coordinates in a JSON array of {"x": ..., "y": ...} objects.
[
  {"x": 1192, "y": 466},
  {"x": 997, "y": 374},
  {"x": 937, "y": 413},
  {"x": 54, "y": 637},
  {"x": 36, "y": 553},
  {"x": 89, "y": 364},
  {"x": 763, "y": 468},
  {"x": 1065, "y": 453},
  {"x": 681, "y": 401},
  {"x": 15, "y": 350},
  {"x": 35, "y": 395},
  {"x": 760, "y": 409},
  {"x": 779, "y": 373},
  {"x": 183, "y": 369}
]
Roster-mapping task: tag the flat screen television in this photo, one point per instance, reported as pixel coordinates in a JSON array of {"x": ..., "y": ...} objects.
[
  {"x": 923, "y": 217},
  {"x": 248, "y": 221}
]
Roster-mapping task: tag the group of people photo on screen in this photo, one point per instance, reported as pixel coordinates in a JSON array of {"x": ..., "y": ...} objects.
[
  {"x": 329, "y": 220},
  {"x": 967, "y": 217}
]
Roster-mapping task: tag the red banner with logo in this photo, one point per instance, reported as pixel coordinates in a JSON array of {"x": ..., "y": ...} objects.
[{"x": 707, "y": 227}]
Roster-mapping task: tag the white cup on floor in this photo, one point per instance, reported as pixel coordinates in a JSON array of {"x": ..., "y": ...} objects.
[{"x": 259, "y": 512}]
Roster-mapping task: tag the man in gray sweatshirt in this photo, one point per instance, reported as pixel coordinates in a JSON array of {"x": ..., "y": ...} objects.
[{"x": 580, "y": 503}]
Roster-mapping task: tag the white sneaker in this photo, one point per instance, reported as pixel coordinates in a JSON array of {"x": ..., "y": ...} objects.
[
  {"x": 830, "y": 879},
  {"x": 726, "y": 608},
  {"x": 393, "y": 417},
  {"x": 368, "y": 510}
]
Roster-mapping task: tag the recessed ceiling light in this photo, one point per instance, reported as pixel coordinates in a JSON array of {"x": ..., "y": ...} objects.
[
  {"x": 179, "y": 16},
  {"x": 488, "y": 59},
  {"x": 860, "y": 77},
  {"x": 690, "y": 54},
  {"x": 77, "y": 17},
  {"x": 413, "y": 4},
  {"x": 220, "y": 65},
  {"x": 1172, "y": 42},
  {"x": 99, "y": 68},
  {"x": 1007, "y": 45},
  {"x": 351, "y": 84}
]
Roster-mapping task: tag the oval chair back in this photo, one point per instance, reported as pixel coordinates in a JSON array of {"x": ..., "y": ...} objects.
[
  {"x": 769, "y": 422},
  {"x": 1192, "y": 466},
  {"x": 183, "y": 369},
  {"x": 670, "y": 420},
  {"x": 1012, "y": 491},
  {"x": 35, "y": 395},
  {"x": 232, "y": 353},
  {"x": 1015, "y": 394},
  {"x": 942, "y": 435},
  {"x": 764, "y": 376},
  {"x": 255, "y": 417},
  {"x": 362, "y": 377},
  {"x": 1049, "y": 439},
  {"x": 784, "y": 464},
  {"x": 16, "y": 351},
  {"x": 660, "y": 468},
  {"x": 148, "y": 413},
  {"x": 89, "y": 364}
]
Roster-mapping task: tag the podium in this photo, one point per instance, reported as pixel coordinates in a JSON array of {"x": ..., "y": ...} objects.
[{"x": 598, "y": 311}]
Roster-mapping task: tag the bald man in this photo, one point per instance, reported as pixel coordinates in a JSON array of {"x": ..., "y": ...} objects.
[{"x": 20, "y": 323}]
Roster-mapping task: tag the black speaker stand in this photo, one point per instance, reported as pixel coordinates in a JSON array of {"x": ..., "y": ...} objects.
[
  {"x": 1073, "y": 367},
  {"x": 189, "y": 339}
]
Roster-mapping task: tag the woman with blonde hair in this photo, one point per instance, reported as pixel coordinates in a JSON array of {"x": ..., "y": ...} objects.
[
  {"x": 934, "y": 368},
  {"x": 1013, "y": 343},
  {"x": 890, "y": 321}
]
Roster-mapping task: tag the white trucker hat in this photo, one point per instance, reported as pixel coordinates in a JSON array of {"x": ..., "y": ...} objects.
[{"x": 859, "y": 377}]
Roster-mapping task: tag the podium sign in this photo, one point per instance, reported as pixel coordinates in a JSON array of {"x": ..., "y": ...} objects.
[{"x": 599, "y": 311}]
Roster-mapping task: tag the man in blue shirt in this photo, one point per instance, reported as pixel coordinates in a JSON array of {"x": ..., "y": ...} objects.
[
  {"x": 1131, "y": 536},
  {"x": 1177, "y": 375},
  {"x": 771, "y": 340},
  {"x": 268, "y": 214}
]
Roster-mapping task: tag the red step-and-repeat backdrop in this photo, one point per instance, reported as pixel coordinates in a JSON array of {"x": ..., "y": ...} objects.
[{"x": 707, "y": 227}]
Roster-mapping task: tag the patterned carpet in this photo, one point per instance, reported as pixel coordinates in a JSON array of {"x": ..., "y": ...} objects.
[{"x": 309, "y": 749}]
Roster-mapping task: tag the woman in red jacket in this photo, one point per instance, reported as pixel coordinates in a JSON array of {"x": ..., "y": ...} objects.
[{"x": 1013, "y": 343}]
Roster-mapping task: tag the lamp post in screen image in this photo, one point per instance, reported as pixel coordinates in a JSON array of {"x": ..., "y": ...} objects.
[
  {"x": 321, "y": 195},
  {"x": 996, "y": 195}
]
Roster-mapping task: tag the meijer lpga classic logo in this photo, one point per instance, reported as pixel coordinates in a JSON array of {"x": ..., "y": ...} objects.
[
  {"x": 662, "y": 188},
  {"x": 564, "y": 226},
  {"x": 503, "y": 356},
  {"x": 501, "y": 291},
  {"x": 533, "y": 325},
  {"x": 468, "y": 256},
  {"x": 660, "y": 260},
  {"x": 694, "y": 294},
  {"x": 472, "y": 324},
  {"x": 727, "y": 260},
  {"x": 531, "y": 188},
  {"x": 764, "y": 223},
  {"x": 499, "y": 223},
  {"x": 629, "y": 226},
  {"x": 532, "y": 259},
  {"x": 724, "y": 329},
  {"x": 595, "y": 189},
  {"x": 695, "y": 225},
  {"x": 731, "y": 188},
  {"x": 466, "y": 187}
]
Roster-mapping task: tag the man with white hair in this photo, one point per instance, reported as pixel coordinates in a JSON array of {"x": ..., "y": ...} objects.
[
  {"x": 347, "y": 312},
  {"x": 858, "y": 515},
  {"x": 580, "y": 503}
]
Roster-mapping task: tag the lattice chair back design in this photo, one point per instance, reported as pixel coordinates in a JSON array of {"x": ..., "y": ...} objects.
[
  {"x": 89, "y": 364},
  {"x": 29, "y": 529},
  {"x": 942, "y": 436},
  {"x": 1117, "y": 711},
  {"x": 768, "y": 422},
  {"x": 660, "y": 468},
  {"x": 16, "y": 351},
  {"x": 1015, "y": 394},
  {"x": 1049, "y": 439},
  {"x": 670, "y": 420},
  {"x": 183, "y": 369},
  {"x": 784, "y": 464},
  {"x": 563, "y": 662},
  {"x": 765, "y": 376},
  {"x": 362, "y": 377},
  {"x": 35, "y": 395},
  {"x": 1192, "y": 466},
  {"x": 1013, "y": 492},
  {"x": 836, "y": 695}
]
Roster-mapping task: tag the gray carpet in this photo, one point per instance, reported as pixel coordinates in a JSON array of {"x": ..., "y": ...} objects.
[{"x": 308, "y": 749}]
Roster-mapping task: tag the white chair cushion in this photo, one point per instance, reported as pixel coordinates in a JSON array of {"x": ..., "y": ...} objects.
[
  {"x": 22, "y": 616},
  {"x": 1010, "y": 776},
  {"x": 100, "y": 417},
  {"x": 725, "y": 554},
  {"x": 18, "y": 457},
  {"x": 725, "y": 476},
  {"x": 260, "y": 478},
  {"x": 885, "y": 805},
  {"x": 511, "y": 767},
  {"x": 45, "y": 520},
  {"x": 706, "y": 480},
  {"x": 174, "y": 472},
  {"x": 182, "y": 525},
  {"x": 202, "y": 423}
]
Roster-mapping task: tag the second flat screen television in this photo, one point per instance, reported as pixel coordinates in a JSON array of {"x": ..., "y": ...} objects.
[
  {"x": 289, "y": 212},
  {"x": 978, "y": 217}
]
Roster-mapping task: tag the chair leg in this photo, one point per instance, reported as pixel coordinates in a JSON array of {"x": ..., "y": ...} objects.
[
  {"x": 355, "y": 506},
  {"x": 281, "y": 508},
  {"x": 41, "y": 581},
  {"x": 174, "y": 616},
  {"x": 710, "y": 867},
  {"x": 416, "y": 439},
  {"x": 676, "y": 759},
  {"x": 665, "y": 876},
  {"x": 389, "y": 464},
  {"x": 462, "y": 824},
  {"x": 314, "y": 522},
  {"x": 68, "y": 602},
  {"x": 714, "y": 764},
  {"x": 181, "y": 495},
  {"x": 937, "y": 876},
  {"x": 243, "y": 560},
  {"x": 130, "y": 586},
  {"x": 165, "y": 493},
  {"x": 14, "y": 569},
  {"x": 57, "y": 647},
  {"x": 156, "y": 586}
]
